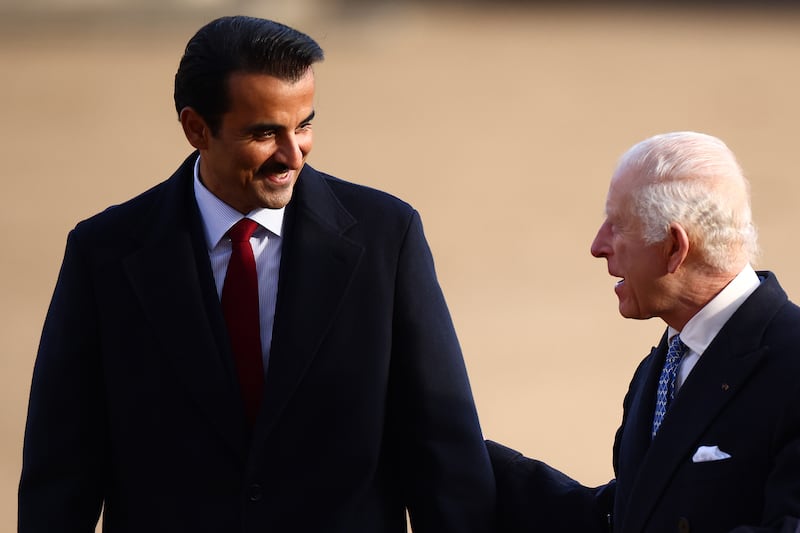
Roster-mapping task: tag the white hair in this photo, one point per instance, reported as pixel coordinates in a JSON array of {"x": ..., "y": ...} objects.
[{"x": 682, "y": 173}]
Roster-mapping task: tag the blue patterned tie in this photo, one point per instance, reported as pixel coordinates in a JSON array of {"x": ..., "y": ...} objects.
[{"x": 666, "y": 383}]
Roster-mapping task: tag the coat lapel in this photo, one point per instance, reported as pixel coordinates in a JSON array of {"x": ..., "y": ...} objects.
[
  {"x": 317, "y": 264},
  {"x": 633, "y": 439},
  {"x": 722, "y": 370},
  {"x": 173, "y": 281},
  {"x": 640, "y": 419}
]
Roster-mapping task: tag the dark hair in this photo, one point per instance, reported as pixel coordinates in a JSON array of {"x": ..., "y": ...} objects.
[{"x": 238, "y": 44}]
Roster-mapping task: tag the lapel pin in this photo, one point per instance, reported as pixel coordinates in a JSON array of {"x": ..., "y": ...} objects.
[{"x": 725, "y": 387}]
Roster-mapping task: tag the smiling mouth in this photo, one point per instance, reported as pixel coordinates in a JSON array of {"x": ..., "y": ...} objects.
[
  {"x": 280, "y": 176},
  {"x": 274, "y": 169},
  {"x": 619, "y": 282}
]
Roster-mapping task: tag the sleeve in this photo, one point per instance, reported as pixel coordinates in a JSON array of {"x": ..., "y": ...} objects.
[
  {"x": 448, "y": 481},
  {"x": 61, "y": 487},
  {"x": 532, "y": 496}
]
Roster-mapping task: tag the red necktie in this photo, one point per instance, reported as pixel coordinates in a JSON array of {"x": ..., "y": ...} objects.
[{"x": 240, "y": 306}]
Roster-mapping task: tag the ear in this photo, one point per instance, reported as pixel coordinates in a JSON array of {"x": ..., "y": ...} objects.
[
  {"x": 195, "y": 128},
  {"x": 678, "y": 250}
]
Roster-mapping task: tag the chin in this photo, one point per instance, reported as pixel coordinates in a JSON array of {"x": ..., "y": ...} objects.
[
  {"x": 633, "y": 315},
  {"x": 277, "y": 201},
  {"x": 627, "y": 313}
]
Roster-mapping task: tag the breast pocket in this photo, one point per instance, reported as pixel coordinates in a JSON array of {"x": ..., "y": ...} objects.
[{"x": 714, "y": 469}]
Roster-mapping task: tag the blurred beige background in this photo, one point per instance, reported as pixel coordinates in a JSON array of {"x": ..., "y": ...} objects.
[{"x": 500, "y": 125}]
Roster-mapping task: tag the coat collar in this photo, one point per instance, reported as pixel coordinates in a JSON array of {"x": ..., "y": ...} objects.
[{"x": 726, "y": 365}]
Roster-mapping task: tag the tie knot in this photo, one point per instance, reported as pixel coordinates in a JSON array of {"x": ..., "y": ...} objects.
[
  {"x": 676, "y": 348},
  {"x": 242, "y": 230}
]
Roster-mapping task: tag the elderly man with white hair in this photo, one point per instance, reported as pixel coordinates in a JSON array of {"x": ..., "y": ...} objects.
[{"x": 710, "y": 434}]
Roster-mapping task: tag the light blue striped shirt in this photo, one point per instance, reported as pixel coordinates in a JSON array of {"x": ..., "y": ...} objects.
[{"x": 218, "y": 217}]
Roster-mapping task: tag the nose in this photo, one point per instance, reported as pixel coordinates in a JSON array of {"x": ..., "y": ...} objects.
[
  {"x": 600, "y": 246},
  {"x": 291, "y": 151}
]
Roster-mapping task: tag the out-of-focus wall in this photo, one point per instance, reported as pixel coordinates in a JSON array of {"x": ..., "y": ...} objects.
[{"x": 501, "y": 126}]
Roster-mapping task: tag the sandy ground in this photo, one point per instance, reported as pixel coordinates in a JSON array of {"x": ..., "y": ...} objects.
[{"x": 501, "y": 128}]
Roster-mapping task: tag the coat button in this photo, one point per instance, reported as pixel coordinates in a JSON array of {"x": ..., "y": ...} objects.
[
  {"x": 254, "y": 492},
  {"x": 683, "y": 525}
]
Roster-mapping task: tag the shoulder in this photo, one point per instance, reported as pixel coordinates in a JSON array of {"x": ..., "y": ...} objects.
[
  {"x": 365, "y": 213},
  {"x": 780, "y": 315},
  {"x": 116, "y": 221},
  {"x": 358, "y": 198},
  {"x": 164, "y": 202}
]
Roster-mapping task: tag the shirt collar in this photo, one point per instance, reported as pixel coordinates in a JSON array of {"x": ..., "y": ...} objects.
[
  {"x": 218, "y": 217},
  {"x": 701, "y": 329}
]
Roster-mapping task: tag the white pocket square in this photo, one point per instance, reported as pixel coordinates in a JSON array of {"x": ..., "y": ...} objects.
[{"x": 709, "y": 453}]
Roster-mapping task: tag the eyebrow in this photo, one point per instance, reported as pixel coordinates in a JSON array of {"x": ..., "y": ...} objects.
[{"x": 266, "y": 126}]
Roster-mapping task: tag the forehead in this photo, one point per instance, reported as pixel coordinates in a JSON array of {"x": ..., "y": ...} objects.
[
  {"x": 248, "y": 91},
  {"x": 619, "y": 208},
  {"x": 620, "y": 188}
]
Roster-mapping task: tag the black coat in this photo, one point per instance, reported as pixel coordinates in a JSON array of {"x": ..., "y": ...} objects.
[{"x": 367, "y": 408}]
